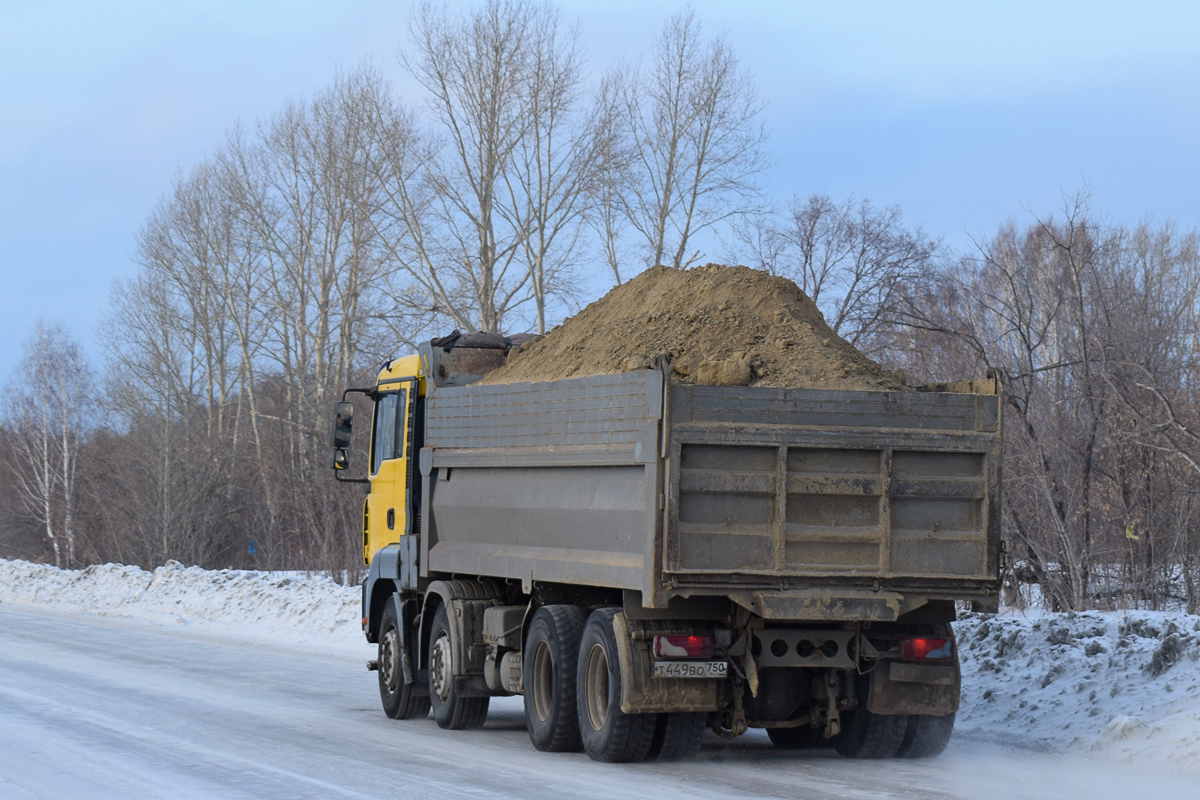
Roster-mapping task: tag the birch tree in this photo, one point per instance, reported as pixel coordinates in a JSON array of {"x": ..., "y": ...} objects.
[
  {"x": 693, "y": 123},
  {"x": 47, "y": 404},
  {"x": 474, "y": 69}
]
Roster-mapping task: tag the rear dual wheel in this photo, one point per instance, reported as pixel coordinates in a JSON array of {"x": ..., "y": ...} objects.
[
  {"x": 869, "y": 735},
  {"x": 573, "y": 693},
  {"x": 607, "y": 732},
  {"x": 677, "y": 736},
  {"x": 926, "y": 736},
  {"x": 550, "y": 667}
]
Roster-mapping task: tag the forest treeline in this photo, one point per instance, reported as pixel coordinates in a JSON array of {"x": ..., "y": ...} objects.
[{"x": 512, "y": 186}]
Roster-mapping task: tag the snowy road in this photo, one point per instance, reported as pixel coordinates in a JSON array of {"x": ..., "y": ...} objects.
[{"x": 100, "y": 708}]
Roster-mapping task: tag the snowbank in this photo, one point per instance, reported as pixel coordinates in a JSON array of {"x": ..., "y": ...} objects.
[
  {"x": 1123, "y": 685},
  {"x": 258, "y": 605}
]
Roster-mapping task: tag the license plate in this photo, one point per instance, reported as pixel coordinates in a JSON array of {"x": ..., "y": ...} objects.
[{"x": 690, "y": 669}]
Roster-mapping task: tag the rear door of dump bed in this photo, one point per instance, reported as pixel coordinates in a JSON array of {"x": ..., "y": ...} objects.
[{"x": 787, "y": 488}]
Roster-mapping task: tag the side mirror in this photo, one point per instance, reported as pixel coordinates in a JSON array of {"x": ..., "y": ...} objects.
[
  {"x": 343, "y": 427},
  {"x": 340, "y": 460}
]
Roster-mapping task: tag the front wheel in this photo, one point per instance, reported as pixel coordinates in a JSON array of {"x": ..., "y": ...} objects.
[
  {"x": 451, "y": 711},
  {"x": 397, "y": 697},
  {"x": 608, "y": 733}
]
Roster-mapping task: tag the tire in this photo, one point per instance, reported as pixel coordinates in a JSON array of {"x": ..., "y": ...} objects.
[
  {"x": 551, "y": 653},
  {"x": 801, "y": 738},
  {"x": 607, "y": 732},
  {"x": 870, "y": 735},
  {"x": 397, "y": 697},
  {"x": 677, "y": 736},
  {"x": 926, "y": 736},
  {"x": 451, "y": 711}
]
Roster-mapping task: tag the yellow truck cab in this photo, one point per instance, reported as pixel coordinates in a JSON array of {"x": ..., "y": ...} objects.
[
  {"x": 389, "y": 510},
  {"x": 393, "y": 504}
]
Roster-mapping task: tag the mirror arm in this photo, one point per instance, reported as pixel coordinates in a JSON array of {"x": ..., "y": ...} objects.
[{"x": 371, "y": 393}]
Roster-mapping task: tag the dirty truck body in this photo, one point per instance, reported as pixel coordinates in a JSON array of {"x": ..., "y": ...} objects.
[{"x": 644, "y": 560}]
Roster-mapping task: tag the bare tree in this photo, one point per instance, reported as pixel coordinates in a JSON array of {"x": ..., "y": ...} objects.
[
  {"x": 1091, "y": 330},
  {"x": 855, "y": 261},
  {"x": 474, "y": 68},
  {"x": 556, "y": 164},
  {"x": 47, "y": 407},
  {"x": 262, "y": 285},
  {"x": 692, "y": 121},
  {"x": 486, "y": 205}
]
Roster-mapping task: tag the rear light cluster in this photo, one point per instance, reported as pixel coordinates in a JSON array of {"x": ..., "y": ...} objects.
[
  {"x": 692, "y": 646},
  {"x": 926, "y": 649}
]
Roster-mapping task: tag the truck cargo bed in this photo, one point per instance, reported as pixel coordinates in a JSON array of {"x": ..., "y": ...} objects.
[{"x": 631, "y": 482}]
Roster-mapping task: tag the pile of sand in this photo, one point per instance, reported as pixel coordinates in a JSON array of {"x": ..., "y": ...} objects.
[{"x": 728, "y": 326}]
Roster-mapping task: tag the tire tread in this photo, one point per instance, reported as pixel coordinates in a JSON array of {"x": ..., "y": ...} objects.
[
  {"x": 677, "y": 736},
  {"x": 566, "y": 623},
  {"x": 630, "y": 736}
]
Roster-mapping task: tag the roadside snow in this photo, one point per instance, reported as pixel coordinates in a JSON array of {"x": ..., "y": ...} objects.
[
  {"x": 1117, "y": 685},
  {"x": 296, "y": 608}
]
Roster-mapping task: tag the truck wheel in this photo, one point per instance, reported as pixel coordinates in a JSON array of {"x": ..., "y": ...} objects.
[
  {"x": 801, "y": 738},
  {"x": 926, "y": 736},
  {"x": 451, "y": 711},
  {"x": 397, "y": 697},
  {"x": 608, "y": 733},
  {"x": 677, "y": 736},
  {"x": 870, "y": 735},
  {"x": 551, "y": 655}
]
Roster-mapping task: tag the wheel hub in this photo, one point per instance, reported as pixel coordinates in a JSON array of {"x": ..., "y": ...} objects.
[
  {"x": 389, "y": 658},
  {"x": 541, "y": 682},
  {"x": 440, "y": 676},
  {"x": 596, "y": 686}
]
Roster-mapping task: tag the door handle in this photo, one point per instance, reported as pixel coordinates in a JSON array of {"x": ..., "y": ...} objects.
[{"x": 391, "y": 518}]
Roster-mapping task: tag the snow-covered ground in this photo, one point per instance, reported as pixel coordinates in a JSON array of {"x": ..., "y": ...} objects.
[
  {"x": 302, "y": 609},
  {"x": 1120, "y": 685},
  {"x": 1115, "y": 685}
]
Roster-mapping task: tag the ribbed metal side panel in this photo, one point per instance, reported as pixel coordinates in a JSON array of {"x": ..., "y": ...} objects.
[
  {"x": 581, "y": 412},
  {"x": 546, "y": 481},
  {"x": 821, "y": 408}
]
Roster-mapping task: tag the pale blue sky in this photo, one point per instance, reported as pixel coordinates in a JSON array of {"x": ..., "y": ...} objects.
[{"x": 964, "y": 114}]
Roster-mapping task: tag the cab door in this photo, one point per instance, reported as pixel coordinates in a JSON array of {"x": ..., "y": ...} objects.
[{"x": 385, "y": 513}]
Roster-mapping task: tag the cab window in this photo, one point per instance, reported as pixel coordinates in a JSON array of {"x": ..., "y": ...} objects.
[{"x": 387, "y": 442}]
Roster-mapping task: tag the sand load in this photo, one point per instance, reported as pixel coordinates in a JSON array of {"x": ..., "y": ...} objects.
[{"x": 720, "y": 325}]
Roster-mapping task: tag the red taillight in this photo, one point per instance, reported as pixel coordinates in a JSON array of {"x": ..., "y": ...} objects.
[
  {"x": 926, "y": 649},
  {"x": 683, "y": 646}
]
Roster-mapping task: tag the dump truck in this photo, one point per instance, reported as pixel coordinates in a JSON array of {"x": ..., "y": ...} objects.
[{"x": 645, "y": 560}]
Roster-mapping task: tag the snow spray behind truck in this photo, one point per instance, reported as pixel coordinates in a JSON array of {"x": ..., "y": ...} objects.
[{"x": 644, "y": 558}]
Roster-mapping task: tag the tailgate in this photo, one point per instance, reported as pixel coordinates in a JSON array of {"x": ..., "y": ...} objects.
[{"x": 788, "y": 488}]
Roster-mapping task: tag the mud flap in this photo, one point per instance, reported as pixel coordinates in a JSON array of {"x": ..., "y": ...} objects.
[
  {"x": 926, "y": 689},
  {"x": 641, "y": 693}
]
